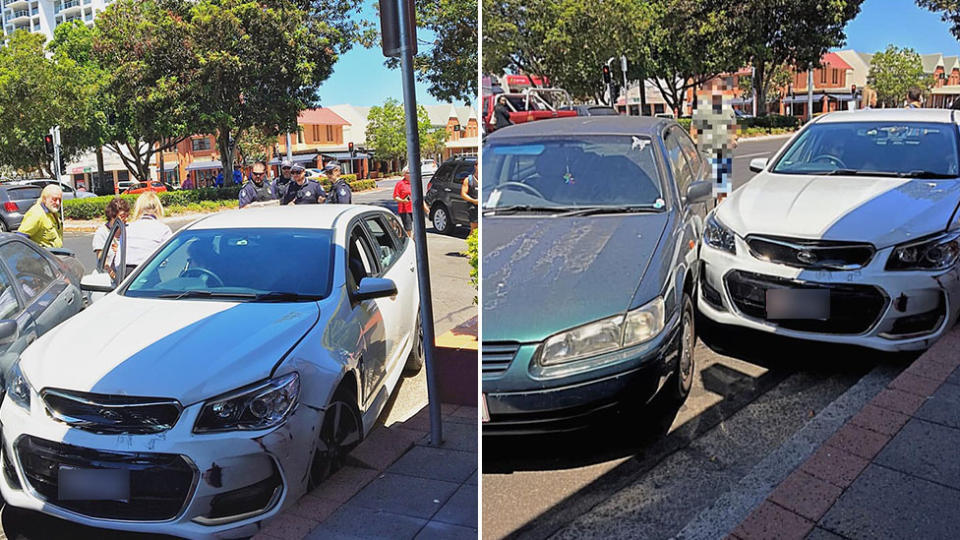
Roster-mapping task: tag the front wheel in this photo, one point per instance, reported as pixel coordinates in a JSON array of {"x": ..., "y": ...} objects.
[
  {"x": 340, "y": 433},
  {"x": 682, "y": 379},
  {"x": 441, "y": 220},
  {"x": 415, "y": 358}
]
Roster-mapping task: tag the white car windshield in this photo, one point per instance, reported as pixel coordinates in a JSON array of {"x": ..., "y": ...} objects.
[
  {"x": 572, "y": 172},
  {"x": 241, "y": 264},
  {"x": 902, "y": 149}
]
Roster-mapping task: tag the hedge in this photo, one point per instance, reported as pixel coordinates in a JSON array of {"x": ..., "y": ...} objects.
[{"x": 769, "y": 121}]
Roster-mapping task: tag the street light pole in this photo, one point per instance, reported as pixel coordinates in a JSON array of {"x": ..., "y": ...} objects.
[{"x": 810, "y": 93}]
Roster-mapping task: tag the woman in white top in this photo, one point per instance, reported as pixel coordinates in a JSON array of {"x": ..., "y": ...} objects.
[
  {"x": 118, "y": 208},
  {"x": 146, "y": 232}
]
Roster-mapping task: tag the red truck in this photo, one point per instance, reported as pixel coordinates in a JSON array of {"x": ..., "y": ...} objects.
[{"x": 529, "y": 105}]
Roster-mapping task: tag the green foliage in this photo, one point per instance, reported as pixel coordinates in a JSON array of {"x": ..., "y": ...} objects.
[
  {"x": 685, "y": 123},
  {"x": 253, "y": 144},
  {"x": 949, "y": 11},
  {"x": 386, "y": 129},
  {"x": 894, "y": 71},
  {"x": 769, "y": 121},
  {"x": 433, "y": 143},
  {"x": 779, "y": 78},
  {"x": 93, "y": 207},
  {"x": 473, "y": 242}
]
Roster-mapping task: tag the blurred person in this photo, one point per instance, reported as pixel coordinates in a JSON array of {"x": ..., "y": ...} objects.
[
  {"x": 403, "y": 195},
  {"x": 42, "y": 222},
  {"x": 468, "y": 190},
  {"x": 146, "y": 232},
  {"x": 340, "y": 192},
  {"x": 868, "y": 99},
  {"x": 256, "y": 189},
  {"x": 303, "y": 190},
  {"x": 914, "y": 98},
  {"x": 715, "y": 125},
  {"x": 501, "y": 114},
  {"x": 118, "y": 208},
  {"x": 283, "y": 181}
]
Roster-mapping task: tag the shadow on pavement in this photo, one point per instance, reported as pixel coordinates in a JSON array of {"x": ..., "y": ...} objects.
[{"x": 21, "y": 524}]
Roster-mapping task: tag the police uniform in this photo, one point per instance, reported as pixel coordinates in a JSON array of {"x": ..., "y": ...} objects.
[
  {"x": 280, "y": 186},
  {"x": 340, "y": 192},
  {"x": 309, "y": 193},
  {"x": 251, "y": 192}
]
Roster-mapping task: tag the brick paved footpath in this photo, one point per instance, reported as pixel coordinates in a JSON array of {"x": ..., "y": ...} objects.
[{"x": 892, "y": 471}]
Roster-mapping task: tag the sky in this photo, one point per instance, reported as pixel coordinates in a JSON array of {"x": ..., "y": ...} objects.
[
  {"x": 902, "y": 23},
  {"x": 360, "y": 77}
]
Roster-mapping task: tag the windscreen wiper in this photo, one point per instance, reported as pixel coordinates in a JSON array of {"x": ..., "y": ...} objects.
[
  {"x": 282, "y": 296},
  {"x": 855, "y": 172},
  {"x": 197, "y": 293},
  {"x": 594, "y": 210},
  {"x": 919, "y": 173},
  {"x": 516, "y": 208}
]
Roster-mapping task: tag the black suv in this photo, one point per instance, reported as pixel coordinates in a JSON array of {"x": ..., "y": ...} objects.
[{"x": 447, "y": 207}]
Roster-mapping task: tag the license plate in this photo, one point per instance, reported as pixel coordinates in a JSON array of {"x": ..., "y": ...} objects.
[
  {"x": 485, "y": 414},
  {"x": 93, "y": 484},
  {"x": 798, "y": 304}
]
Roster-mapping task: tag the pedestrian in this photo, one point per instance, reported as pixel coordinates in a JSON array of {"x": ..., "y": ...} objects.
[
  {"x": 237, "y": 177},
  {"x": 302, "y": 190},
  {"x": 118, "y": 208},
  {"x": 256, "y": 189},
  {"x": 468, "y": 190},
  {"x": 403, "y": 194},
  {"x": 914, "y": 98},
  {"x": 146, "y": 231},
  {"x": 42, "y": 222},
  {"x": 282, "y": 182},
  {"x": 501, "y": 114},
  {"x": 716, "y": 128},
  {"x": 868, "y": 99},
  {"x": 340, "y": 192}
]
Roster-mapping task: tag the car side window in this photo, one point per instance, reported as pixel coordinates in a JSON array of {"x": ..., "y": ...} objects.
[
  {"x": 385, "y": 246},
  {"x": 690, "y": 151},
  {"x": 9, "y": 305},
  {"x": 444, "y": 171},
  {"x": 399, "y": 235},
  {"x": 677, "y": 162},
  {"x": 463, "y": 172},
  {"x": 359, "y": 259},
  {"x": 32, "y": 272}
]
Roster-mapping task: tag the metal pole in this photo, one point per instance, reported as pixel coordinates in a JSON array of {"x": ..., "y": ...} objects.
[
  {"x": 56, "y": 163},
  {"x": 810, "y": 94},
  {"x": 626, "y": 89},
  {"x": 289, "y": 149},
  {"x": 419, "y": 229},
  {"x": 753, "y": 85},
  {"x": 643, "y": 95}
]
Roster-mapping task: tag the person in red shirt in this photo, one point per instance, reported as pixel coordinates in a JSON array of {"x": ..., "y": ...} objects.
[{"x": 404, "y": 195}]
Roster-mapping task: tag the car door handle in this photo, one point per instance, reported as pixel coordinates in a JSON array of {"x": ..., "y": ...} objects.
[
  {"x": 447, "y": 189},
  {"x": 70, "y": 299}
]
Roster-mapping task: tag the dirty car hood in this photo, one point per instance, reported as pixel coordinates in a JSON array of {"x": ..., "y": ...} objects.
[
  {"x": 542, "y": 275},
  {"x": 189, "y": 350}
]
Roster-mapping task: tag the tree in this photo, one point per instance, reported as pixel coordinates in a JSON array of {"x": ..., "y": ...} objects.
[
  {"x": 253, "y": 144},
  {"x": 779, "y": 79},
  {"x": 775, "y": 33},
  {"x": 433, "y": 143},
  {"x": 949, "y": 12},
  {"x": 256, "y": 66},
  {"x": 149, "y": 98},
  {"x": 894, "y": 71},
  {"x": 386, "y": 130}
]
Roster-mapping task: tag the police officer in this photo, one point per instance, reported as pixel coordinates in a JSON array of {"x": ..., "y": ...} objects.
[
  {"x": 340, "y": 192},
  {"x": 282, "y": 182},
  {"x": 256, "y": 189},
  {"x": 301, "y": 190}
]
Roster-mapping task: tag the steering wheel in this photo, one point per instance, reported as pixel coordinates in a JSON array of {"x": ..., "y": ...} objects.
[
  {"x": 197, "y": 272},
  {"x": 834, "y": 160},
  {"x": 522, "y": 186}
]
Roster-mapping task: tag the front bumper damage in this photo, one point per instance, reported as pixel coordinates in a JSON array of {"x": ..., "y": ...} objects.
[{"x": 216, "y": 485}]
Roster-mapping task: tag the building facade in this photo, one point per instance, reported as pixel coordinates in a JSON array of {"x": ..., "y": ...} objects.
[{"x": 43, "y": 16}]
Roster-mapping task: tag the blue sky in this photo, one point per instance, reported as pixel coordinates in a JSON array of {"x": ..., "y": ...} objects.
[
  {"x": 902, "y": 23},
  {"x": 360, "y": 77}
]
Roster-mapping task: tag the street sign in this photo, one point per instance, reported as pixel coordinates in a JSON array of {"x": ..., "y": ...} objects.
[{"x": 390, "y": 27}]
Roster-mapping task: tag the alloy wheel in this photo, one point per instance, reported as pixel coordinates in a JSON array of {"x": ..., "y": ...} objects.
[{"x": 340, "y": 433}]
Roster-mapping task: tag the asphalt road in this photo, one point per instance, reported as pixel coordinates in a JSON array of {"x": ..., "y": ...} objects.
[
  {"x": 452, "y": 305},
  {"x": 645, "y": 473}
]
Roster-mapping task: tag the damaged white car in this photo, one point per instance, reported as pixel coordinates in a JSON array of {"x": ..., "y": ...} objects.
[{"x": 229, "y": 373}]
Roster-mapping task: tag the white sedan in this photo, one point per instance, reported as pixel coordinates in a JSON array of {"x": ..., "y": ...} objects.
[
  {"x": 228, "y": 374},
  {"x": 850, "y": 234}
]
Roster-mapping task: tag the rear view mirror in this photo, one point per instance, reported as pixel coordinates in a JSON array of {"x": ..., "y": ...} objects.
[
  {"x": 699, "y": 191},
  {"x": 8, "y": 331},
  {"x": 758, "y": 164},
  {"x": 375, "y": 288}
]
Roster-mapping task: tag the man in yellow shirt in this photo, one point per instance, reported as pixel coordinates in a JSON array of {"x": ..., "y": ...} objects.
[{"x": 42, "y": 221}]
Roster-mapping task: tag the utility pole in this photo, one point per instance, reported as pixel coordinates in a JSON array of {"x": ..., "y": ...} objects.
[
  {"x": 289, "y": 149},
  {"x": 810, "y": 93},
  {"x": 626, "y": 89},
  {"x": 399, "y": 31},
  {"x": 753, "y": 85},
  {"x": 57, "y": 173}
]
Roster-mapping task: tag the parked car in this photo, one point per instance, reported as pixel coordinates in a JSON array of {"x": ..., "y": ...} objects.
[
  {"x": 15, "y": 200},
  {"x": 595, "y": 110},
  {"x": 428, "y": 167},
  {"x": 234, "y": 379},
  {"x": 141, "y": 187},
  {"x": 315, "y": 174},
  {"x": 447, "y": 208},
  {"x": 68, "y": 191},
  {"x": 38, "y": 291},
  {"x": 590, "y": 236},
  {"x": 849, "y": 234}
]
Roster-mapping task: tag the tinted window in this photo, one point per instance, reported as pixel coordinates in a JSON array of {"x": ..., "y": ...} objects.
[
  {"x": 690, "y": 151},
  {"x": 9, "y": 305},
  {"x": 24, "y": 193},
  {"x": 445, "y": 171},
  {"x": 386, "y": 248},
  {"x": 359, "y": 264},
  {"x": 240, "y": 261},
  {"x": 31, "y": 271},
  {"x": 677, "y": 161},
  {"x": 398, "y": 233},
  {"x": 595, "y": 170},
  {"x": 886, "y": 147}
]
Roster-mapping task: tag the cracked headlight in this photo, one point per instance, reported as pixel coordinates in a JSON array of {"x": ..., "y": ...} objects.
[
  {"x": 260, "y": 406},
  {"x": 716, "y": 235},
  {"x": 606, "y": 335},
  {"x": 17, "y": 387},
  {"x": 938, "y": 253}
]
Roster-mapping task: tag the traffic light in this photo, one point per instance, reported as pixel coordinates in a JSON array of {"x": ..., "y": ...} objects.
[
  {"x": 63, "y": 164},
  {"x": 351, "y": 150},
  {"x": 48, "y": 143},
  {"x": 606, "y": 74}
]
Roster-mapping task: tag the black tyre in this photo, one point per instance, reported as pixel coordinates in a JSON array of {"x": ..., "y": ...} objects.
[
  {"x": 682, "y": 379},
  {"x": 442, "y": 221},
  {"x": 341, "y": 432},
  {"x": 415, "y": 358},
  {"x": 3, "y": 226}
]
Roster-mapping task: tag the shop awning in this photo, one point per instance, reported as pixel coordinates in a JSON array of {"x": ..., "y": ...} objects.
[
  {"x": 301, "y": 158},
  {"x": 345, "y": 156},
  {"x": 203, "y": 165}
]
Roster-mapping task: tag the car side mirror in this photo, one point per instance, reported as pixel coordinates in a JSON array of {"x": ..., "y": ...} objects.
[
  {"x": 8, "y": 331},
  {"x": 758, "y": 164},
  {"x": 97, "y": 282},
  {"x": 699, "y": 191},
  {"x": 371, "y": 288}
]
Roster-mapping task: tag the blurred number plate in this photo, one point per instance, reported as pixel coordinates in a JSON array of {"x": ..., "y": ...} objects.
[
  {"x": 93, "y": 484},
  {"x": 798, "y": 304},
  {"x": 486, "y": 413}
]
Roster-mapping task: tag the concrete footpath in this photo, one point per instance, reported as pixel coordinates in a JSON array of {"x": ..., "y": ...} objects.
[{"x": 890, "y": 471}]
